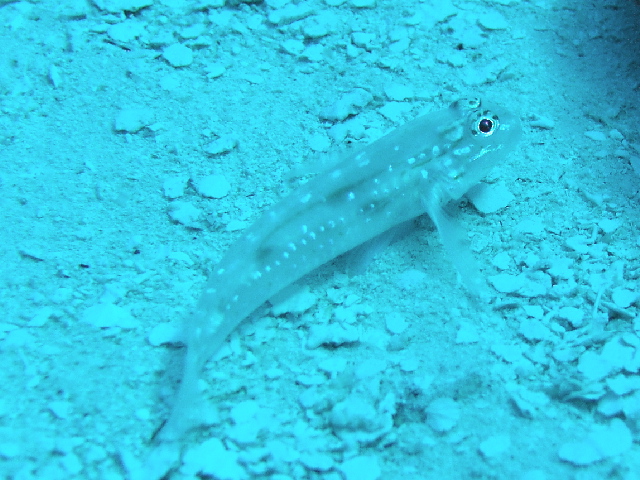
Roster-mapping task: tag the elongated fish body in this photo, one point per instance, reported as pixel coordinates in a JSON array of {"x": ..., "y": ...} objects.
[{"x": 415, "y": 169}]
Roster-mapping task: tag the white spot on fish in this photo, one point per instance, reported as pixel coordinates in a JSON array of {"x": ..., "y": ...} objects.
[
  {"x": 305, "y": 198},
  {"x": 362, "y": 160}
]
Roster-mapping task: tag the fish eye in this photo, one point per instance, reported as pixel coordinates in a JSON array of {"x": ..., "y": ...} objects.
[{"x": 485, "y": 124}]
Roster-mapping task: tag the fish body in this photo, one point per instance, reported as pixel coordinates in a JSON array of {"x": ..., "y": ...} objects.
[{"x": 417, "y": 168}]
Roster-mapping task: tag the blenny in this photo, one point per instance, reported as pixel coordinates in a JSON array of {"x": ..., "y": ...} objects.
[{"x": 417, "y": 168}]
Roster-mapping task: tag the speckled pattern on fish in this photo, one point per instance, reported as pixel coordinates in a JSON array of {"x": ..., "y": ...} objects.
[{"x": 416, "y": 169}]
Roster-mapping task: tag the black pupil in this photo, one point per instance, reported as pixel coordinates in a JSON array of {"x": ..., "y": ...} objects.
[{"x": 485, "y": 125}]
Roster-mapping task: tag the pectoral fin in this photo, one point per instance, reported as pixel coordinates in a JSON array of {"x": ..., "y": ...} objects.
[{"x": 458, "y": 247}]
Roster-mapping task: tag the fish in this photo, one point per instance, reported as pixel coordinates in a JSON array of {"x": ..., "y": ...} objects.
[{"x": 420, "y": 167}]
